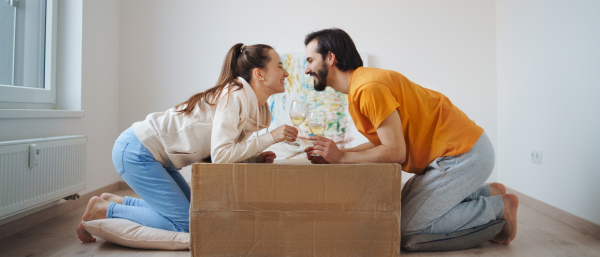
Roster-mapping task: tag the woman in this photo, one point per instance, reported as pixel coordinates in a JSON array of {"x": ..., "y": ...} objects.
[{"x": 213, "y": 124}]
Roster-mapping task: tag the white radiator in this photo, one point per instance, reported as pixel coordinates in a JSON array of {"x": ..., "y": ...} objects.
[{"x": 34, "y": 172}]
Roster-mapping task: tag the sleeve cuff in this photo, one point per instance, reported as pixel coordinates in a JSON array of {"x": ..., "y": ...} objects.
[
  {"x": 265, "y": 140},
  {"x": 250, "y": 160},
  {"x": 385, "y": 116}
]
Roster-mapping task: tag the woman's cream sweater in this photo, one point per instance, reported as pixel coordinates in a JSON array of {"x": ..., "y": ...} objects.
[{"x": 220, "y": 131}]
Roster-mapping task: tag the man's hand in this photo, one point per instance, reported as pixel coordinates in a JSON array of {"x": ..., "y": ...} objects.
[
  {"x": 266, "y": 157},
  {"x": 314, "y": 159},
  {"x": 327, "y": 149}
]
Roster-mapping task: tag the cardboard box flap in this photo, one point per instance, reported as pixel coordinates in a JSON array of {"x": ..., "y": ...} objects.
[{"x": 247, "y": 187}]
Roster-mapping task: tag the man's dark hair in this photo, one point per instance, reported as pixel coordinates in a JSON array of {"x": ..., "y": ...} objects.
[{"x": 339, "y": 43}]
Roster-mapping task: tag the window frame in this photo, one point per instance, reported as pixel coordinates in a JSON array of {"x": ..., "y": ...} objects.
[{"x": 47, "y": 95}]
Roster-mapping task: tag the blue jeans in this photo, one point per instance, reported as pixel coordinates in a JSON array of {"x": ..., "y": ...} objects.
[{"x": 165, "y": 193}]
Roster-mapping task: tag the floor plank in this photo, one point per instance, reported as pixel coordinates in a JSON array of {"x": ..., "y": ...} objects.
[
  {"x": 57, "y": 237},
  {"x": 538, "y": 235}
]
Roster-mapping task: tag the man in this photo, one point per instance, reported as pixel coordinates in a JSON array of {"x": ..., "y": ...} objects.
[{"x": 421, "y": 129}]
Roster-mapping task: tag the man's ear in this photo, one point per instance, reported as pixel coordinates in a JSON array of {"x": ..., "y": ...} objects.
[
  {"x": 257, "y": 74},
  {"x": 331, "y": 58}
]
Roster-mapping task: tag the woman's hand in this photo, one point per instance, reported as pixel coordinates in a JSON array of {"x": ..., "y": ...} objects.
[
  {"x": 266, "y": 157},
  {"x": 285, "y": 133}
]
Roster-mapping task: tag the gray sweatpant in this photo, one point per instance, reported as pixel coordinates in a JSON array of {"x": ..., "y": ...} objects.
[{"x": 450, "y": 196}]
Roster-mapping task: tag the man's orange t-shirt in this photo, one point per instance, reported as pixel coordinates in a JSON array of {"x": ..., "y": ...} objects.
[{"x": 433, "y": 127}]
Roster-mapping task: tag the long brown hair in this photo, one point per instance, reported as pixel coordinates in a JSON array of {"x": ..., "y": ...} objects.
[{"x": 239, "y": 62}]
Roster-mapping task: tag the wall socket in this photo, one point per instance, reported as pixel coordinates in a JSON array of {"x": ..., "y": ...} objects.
[{"x": 536, "y": 156}]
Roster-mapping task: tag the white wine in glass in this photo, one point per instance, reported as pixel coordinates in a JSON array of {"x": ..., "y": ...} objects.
[
  {"x": 317, "y": 130},
  {"x": 317, "y": 123},
  {"x": 298, "y": 113},
  {"x": 297, "y": 120}
]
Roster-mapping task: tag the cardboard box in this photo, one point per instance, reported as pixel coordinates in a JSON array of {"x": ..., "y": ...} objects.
[{"x": 295, "y": 210}]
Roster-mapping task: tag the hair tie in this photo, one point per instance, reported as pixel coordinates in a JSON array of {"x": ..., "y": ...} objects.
[{"x": 242, "y": 48}]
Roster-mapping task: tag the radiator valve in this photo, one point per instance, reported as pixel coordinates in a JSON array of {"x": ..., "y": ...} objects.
[{"x": 72, "y": 197}]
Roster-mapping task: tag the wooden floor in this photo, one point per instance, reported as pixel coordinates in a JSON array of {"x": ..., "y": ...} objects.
[{"x": 538, "y": 235}]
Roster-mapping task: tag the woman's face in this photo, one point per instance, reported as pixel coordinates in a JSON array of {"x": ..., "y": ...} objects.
[{"x": 274, "y": 73}]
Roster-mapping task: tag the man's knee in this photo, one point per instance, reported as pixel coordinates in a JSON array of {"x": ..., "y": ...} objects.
[{"x": 414, "y": 227}]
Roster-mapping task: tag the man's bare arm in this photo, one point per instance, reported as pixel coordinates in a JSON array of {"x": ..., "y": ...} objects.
[
  {"x": 361, "y": 147},
  {"x": 391, "y": 150}
]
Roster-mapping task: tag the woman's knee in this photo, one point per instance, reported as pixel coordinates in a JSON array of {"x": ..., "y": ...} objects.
[{"x": 183, "y": 226}]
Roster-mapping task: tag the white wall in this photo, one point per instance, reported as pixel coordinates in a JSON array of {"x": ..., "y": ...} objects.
[
  {"x": 89, "y": 61},
  {"x": 548, "y": 91},
  {"x": 173, "y": 49},
  {"x": 100, "y": 87}
]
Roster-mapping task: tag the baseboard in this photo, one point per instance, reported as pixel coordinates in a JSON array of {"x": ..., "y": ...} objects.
[
  {"x": 59, "y": 208},
  {"x": 581, "y": 224}
]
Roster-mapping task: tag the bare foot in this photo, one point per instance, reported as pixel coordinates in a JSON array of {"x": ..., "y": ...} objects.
[
  {"x": 112, "y": 198},
  {"x": 497, "y": 189},
  {"x": 96, "y": 209},
  {"x": 509, "y": 232}
]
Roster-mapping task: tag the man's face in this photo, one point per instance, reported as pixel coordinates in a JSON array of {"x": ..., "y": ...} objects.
[{"x": 316, "y": 67}]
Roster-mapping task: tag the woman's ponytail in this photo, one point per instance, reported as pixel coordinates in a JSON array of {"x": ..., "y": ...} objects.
[
  {"x": 229, "y": 72},
  {"x": 239, "y": 62}
]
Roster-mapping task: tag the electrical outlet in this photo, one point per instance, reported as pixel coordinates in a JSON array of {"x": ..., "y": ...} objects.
[{"x": 536, "y": 156}]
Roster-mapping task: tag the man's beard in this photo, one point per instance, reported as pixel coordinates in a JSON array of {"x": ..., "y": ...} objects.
[{"x": 321, "y": 74}]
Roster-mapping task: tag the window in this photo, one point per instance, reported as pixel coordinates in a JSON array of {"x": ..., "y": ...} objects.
[{"x": 27, "y": 48}]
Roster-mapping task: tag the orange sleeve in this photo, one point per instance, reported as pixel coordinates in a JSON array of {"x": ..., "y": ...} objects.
[{"x": 376, "y": 102}]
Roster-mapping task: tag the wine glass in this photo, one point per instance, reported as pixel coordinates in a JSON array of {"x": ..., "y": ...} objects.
[
  {"x": 298, "y": 113},
  {"x": 317, "y": 123}
]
